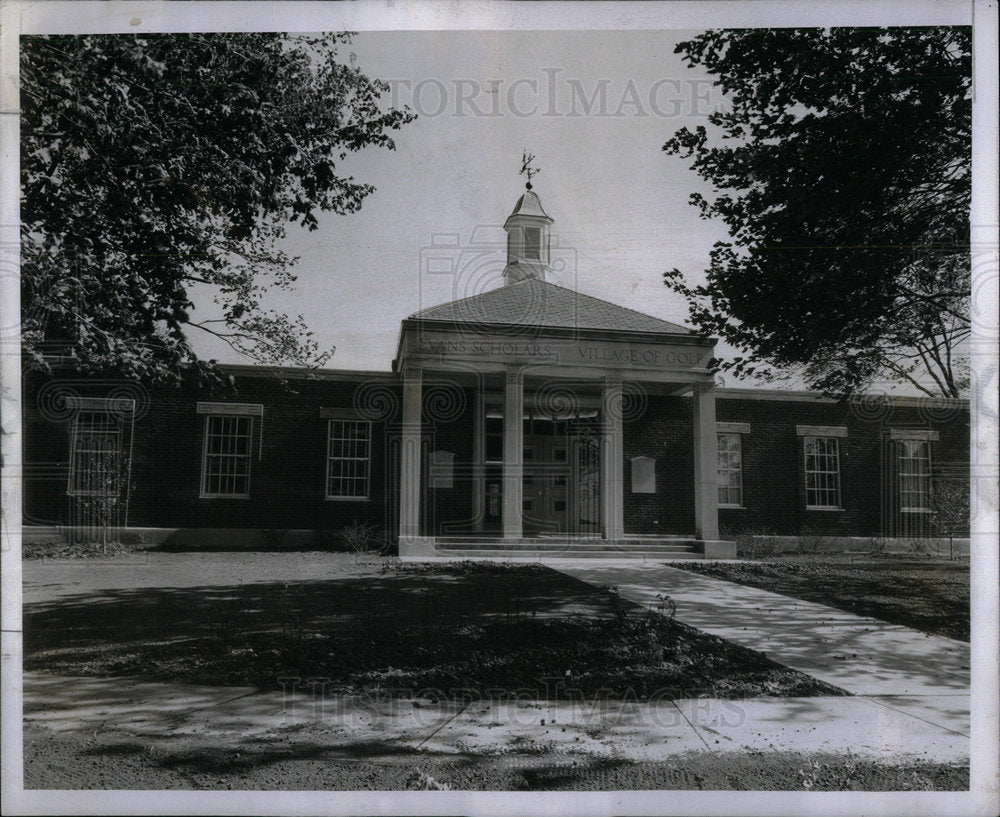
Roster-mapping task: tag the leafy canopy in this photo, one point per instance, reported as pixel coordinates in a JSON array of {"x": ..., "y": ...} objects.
[
  {"x": 156, "y": 164},
  {"x": 842, "y": 172}
]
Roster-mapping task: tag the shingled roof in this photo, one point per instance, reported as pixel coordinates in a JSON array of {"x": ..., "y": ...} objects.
[{"x": 534, "y": 302}]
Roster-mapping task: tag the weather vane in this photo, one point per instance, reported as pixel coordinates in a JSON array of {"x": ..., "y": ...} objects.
[{"x": 527, "y": 169}]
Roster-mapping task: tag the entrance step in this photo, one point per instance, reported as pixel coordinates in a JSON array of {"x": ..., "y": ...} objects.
[
  {"x": 638, "y": 548},
  {"x": 563, "y": 541},
  {"x": 633, "y": 555},
  {"x": 574, "y": 547}
]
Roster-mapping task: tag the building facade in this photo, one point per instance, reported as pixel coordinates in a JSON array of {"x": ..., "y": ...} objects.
[{"x": 526, "y": 413}]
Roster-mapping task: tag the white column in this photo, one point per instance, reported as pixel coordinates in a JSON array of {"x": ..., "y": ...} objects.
[
  {"x": 409, "y": 457},
  {"x": 513, "y": 451},
  {"x": 478, "y": 459},
  {"x": 612, "y": 458},
  {"x": 706, "y": 463}
]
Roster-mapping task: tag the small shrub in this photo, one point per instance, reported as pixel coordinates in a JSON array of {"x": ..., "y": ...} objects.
[
  {"x": 619, "y": 607},
  {"x": 877, "y": 545},
  {"x": 660, "y": 627},
  {"x": 274, "y": 537},
  {"x": 361, "y": 536},
  {"x": 811, "y": 543}
]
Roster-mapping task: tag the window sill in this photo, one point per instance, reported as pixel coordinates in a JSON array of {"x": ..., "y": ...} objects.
[
  {"x": 223, "y": 496},
  {"x": 732, "y": 507},
  {"x": 915, "y": 510},
  {"x": 823, "y": 508},
  {"x": 347, "y": 499}
]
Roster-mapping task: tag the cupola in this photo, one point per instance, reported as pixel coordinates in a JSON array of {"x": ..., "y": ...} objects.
[{"x": 527, "y": 240}]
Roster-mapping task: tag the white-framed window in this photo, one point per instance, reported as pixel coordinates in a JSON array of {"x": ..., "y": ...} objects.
[
  {"x": 348, "y": 457},
  {"x": 913, "y": 469},
  {"x": 225, "y": 467},
  {"x": 95, "y": 454},
  {"x": 822, "y": 469},
  {"x": 730, "y": 447}
]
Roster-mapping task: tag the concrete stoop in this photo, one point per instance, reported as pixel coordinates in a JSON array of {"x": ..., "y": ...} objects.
[{"x": 631, "y": 548}]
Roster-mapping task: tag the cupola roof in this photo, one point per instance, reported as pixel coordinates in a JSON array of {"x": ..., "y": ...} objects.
[{"x": 529, "y": 205}]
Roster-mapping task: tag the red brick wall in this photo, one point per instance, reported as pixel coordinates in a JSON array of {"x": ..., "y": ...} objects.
[
  {"x": 448, "y": 414},
  {"x": 773, "y": 465},
  {"x": 287, "y": 483},
  {"x": 662, "y": 428}
]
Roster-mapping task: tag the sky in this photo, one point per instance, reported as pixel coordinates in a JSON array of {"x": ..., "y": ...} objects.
[{"x": 594, "y": 107}]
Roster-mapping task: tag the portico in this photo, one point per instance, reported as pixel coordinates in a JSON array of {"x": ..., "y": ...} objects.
[
  {"x": 559, "y": 414},
  {"x": 554, "y": 374}
]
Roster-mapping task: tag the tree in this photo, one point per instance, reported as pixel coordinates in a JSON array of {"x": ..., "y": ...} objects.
[
  {"x": 842, "y": 172},
  {"x": 156, "y": 164}
]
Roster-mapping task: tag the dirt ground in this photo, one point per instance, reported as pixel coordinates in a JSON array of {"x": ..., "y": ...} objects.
[{"x": 106, "y": 760}]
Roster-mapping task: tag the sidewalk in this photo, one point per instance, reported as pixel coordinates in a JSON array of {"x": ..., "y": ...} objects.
[
  {"x": 899, "y": 669},
  {"x": 178, "y": 716}
]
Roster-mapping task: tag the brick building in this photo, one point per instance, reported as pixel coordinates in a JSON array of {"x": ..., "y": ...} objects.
[{"x": 619, "y": 439}]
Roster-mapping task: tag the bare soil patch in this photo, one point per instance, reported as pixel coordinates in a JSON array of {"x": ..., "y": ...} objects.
[
  {"x": 926, "y": 594},
  {"x": 107, "y": 760},
  {"x": 382, "y": 626}
]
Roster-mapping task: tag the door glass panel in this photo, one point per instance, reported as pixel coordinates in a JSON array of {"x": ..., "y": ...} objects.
[{"x": 588, "y": 483}]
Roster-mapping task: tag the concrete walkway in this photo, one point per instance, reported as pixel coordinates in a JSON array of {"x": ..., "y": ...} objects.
[{"x": 900, "y": 670}]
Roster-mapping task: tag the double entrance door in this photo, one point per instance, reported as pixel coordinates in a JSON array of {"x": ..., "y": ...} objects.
[
  {"x": 547, "y": 485},
  {"x": 560, "y": 482}
]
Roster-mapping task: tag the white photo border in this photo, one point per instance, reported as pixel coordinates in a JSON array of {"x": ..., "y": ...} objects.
[{"x": 23, "y": 18}]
